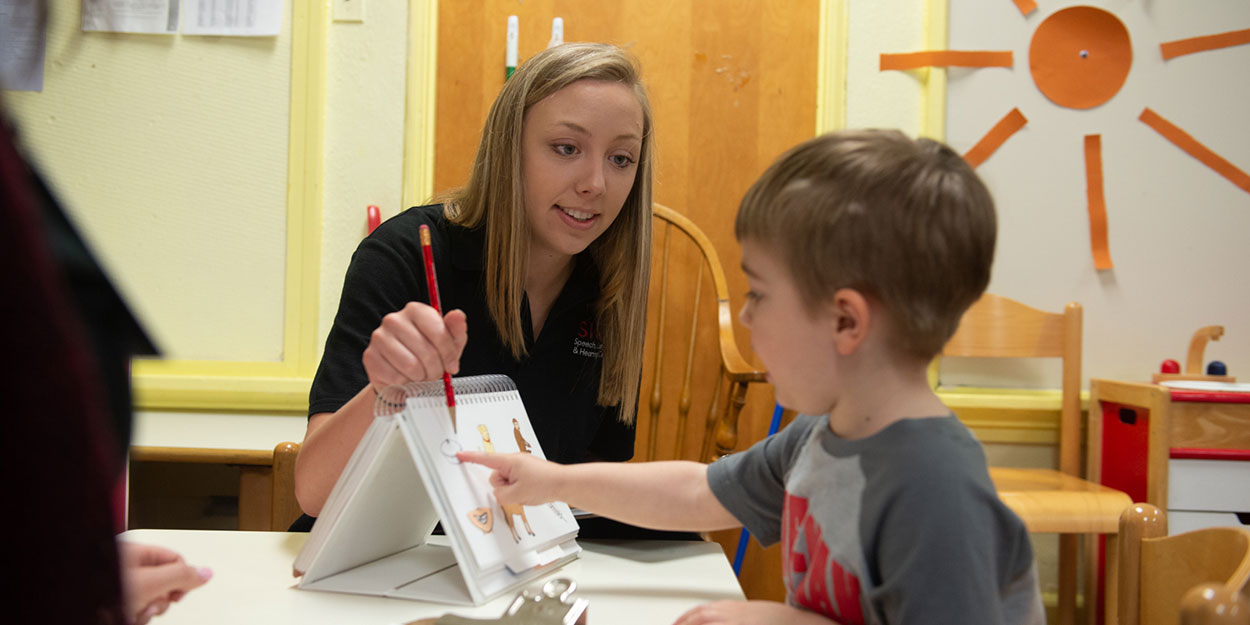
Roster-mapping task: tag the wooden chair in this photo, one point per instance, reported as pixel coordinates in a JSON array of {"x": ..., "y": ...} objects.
[
  {"x": 266, "y": 479},
  {"x": 1048, "y": 501},
  {"x": 270, "y": 490},
  {"x": 704, "y": 354},
  {"x": 1196, "y": 578}
]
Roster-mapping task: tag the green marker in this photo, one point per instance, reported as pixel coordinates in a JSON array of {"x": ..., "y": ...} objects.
[{"x": 510, "y": 56}]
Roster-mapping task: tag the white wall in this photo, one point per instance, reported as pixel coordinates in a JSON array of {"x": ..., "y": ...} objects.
[
  {"x": 1175, "y": 225},
  {"x": 876, "y": 99},
  {"x": 364, "y": 138}
]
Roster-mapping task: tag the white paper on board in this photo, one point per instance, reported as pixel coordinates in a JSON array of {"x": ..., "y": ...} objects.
[
  {"x": 154, "y": 17},
  {"x": 238, "y": 18}
]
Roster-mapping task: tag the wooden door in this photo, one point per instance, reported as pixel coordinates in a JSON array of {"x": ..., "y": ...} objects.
[{"x": 732, "y": 85}]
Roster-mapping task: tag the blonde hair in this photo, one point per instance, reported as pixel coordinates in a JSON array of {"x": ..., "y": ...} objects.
[
  {"x": 494, "y": 198},
  {"x": 905, "y": 221}
]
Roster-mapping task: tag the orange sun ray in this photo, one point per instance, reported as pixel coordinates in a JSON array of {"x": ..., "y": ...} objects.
[
  {"x": 1097, "y": 202},
  {"x": 1181, "y": 47},
  {"x": 1194, "y": 148},
  {"x": 946, "y": 58},
  {"x": 1025, "y": 6},
  {"x": 1007, "y": 126}
]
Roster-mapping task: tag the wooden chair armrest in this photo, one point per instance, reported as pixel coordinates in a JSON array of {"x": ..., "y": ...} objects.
[{"x": 736, "y": 367}]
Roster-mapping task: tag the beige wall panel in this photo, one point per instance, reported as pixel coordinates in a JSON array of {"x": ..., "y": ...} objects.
[
  {"x": 363, "y": 139},
  {"x": 170, "y": 153}
]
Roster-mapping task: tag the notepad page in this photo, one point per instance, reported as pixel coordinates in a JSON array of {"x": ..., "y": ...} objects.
[{"x": 521, "y": 536}]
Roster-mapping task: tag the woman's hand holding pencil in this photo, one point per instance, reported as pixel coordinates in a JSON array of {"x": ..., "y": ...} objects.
[
  {"x": 415, "y": 344},
  {"x": 418, "y": 343}
]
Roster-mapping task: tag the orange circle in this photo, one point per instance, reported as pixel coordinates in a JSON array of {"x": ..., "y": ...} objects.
[{"x": 1080, "y": 57}]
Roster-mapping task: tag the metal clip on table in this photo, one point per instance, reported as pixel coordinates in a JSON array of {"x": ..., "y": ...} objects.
[{"x": 554, "y": 604}]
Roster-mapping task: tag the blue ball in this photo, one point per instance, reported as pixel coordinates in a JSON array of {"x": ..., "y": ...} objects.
[{"x": 1216, "y": 367}]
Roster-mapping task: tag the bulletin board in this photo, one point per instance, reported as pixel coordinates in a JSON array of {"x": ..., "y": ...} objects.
[
  {"x": 188, "y": 163},
  {"x": 1175, "y": 227}
]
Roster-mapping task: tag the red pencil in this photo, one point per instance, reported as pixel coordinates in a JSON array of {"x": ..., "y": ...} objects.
[{"x": 431, "y": 279}]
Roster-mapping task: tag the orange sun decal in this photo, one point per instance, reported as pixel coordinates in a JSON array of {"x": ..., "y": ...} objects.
[{"x": 1079, "y": 58}]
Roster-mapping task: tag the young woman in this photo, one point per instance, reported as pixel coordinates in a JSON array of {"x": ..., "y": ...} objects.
[{"x": 543, "y": 261}]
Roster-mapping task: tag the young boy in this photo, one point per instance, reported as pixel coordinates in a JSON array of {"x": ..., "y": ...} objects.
[{"x": 862, "y": 251}]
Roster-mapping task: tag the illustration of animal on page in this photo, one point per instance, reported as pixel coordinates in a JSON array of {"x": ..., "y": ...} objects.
[{"x": 480, "y": 517}]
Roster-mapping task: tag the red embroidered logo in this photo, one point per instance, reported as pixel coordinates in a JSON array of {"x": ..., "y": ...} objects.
[
  {"x": 587, "y": 330},
  {"x": 586, "y": 343},
  {"x": 819, "y": 583}
]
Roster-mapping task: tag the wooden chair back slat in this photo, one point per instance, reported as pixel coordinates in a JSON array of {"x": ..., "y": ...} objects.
[
  {"x": 683, "y": 404},
  {"x": 713, "y": 418},
  {"x": 999, "y": 327},
  {"x": 657, "y": 397},
  {"x": 684, "y": 256}
]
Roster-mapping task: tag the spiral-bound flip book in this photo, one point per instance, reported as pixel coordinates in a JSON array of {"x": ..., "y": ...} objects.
[{"x": 404, "y": 477}]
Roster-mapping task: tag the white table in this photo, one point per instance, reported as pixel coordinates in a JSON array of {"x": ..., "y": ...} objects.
[{"x": 625, "y": 582}]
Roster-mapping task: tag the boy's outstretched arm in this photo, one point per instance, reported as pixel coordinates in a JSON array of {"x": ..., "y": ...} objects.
[{"x": 671, "y": 495}]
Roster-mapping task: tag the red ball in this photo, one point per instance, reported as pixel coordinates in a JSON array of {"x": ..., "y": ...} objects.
[{"x": 1170, "y": 366}]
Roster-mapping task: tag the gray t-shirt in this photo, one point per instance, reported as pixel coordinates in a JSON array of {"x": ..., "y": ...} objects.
[{"x": 903, "y": 526}]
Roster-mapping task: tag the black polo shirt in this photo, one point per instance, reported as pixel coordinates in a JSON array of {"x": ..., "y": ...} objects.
[{"x": 559, "y": 379}]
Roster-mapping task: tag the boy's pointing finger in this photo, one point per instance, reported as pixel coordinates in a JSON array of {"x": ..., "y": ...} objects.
[{"x": 476, "y": 457}]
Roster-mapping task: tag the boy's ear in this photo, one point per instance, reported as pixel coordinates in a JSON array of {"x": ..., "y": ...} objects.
[{"x": 851, "y": 318}]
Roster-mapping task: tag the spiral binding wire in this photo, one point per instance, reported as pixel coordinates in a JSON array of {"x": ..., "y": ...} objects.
[{"x": 470, "y": 389}]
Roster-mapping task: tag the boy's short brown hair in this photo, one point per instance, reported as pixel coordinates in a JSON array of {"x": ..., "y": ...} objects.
[{"x": 904, "y": 221}]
